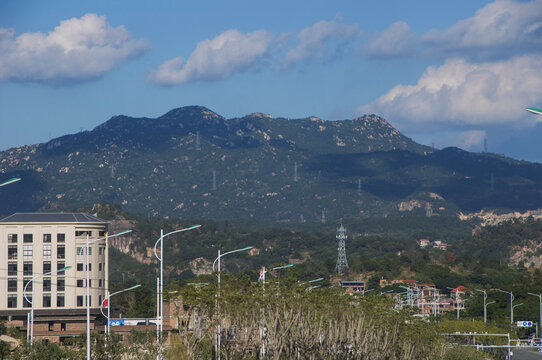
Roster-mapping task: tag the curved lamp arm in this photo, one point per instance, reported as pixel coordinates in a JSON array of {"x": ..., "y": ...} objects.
[
  {"x": 171, "y": 233},
  {"x": 230, "y": 252}
]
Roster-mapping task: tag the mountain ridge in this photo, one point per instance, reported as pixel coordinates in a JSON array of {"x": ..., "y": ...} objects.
[{"x": 193, "y": 162}]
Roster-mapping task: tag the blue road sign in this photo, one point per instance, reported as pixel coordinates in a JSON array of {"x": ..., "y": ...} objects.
[{"x": 116, "y": 322}]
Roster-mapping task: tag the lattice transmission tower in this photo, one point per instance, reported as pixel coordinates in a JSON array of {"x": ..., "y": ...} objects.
[{"x": 342, "y": 263}]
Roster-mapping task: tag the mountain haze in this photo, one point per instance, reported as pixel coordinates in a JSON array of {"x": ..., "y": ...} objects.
[{"x": 351, "y": 168}]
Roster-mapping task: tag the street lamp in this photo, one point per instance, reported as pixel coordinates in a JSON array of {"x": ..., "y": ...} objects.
[
  {"x": 88, "y": 243},
  {"x": 511, "y": 306},
  {"x": 513, "y": 311},
  {"x": 109, "y": 304},
  {"x": 10, "y": 181},
  {"x": 485, "y": 305},
  {"x": 33, "y": 299},
  {"x": 539, "y": 305},
  {"x": 160, "y": 310},
  {"x": 262, "y": 278},
  {"x": 534, "y": 110},
  {"x": 218, "y": 292}
]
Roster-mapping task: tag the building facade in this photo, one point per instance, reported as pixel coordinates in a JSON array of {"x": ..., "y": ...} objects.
[{"x": 34, "y": 244}]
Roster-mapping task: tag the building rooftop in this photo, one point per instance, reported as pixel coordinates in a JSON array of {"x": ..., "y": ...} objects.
[{"x": 52, "y": 218}]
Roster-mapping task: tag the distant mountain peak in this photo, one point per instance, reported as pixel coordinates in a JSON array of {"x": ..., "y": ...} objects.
[
  {"x": 192, "y": 111},
  {"x": 259, "y": 115}
]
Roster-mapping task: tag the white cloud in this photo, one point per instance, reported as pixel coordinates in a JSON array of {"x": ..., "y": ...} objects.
[
  {"x": 398, "y": 39},
  {"x": 216, "y": 59},
  {"x": 471, "y": 139},
  {"x": 501, "y": 29},
  {"x": 462, "y": 93},
  {"x": 322, "y": 40},
  {"x": 76, "y": 50}
]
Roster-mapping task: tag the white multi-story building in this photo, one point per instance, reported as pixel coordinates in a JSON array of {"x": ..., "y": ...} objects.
[{"x": 33, "y": 244}]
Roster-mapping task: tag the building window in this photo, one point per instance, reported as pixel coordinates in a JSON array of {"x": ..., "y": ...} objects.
[
  {"x": 27, "y": 268},
  {"x": 46, "y": 238},
  {"x": 80, "y": 267},
  {"x": 89, "y": 301},
  {"x": 12, "y": 285},
  {"x": 60, "y": 265},
  {"x": 82, "y": 233},
  {"x": 60, "y": 284},
  {"x": 90, "y": 283},
  {"x": 12, "y": 269},
  {"x": 29, "y": 286},
  {"x": 80, "y": 250},
  {"x": 60, "y": 238},
  {"x": 12, "y": 238},
  {"x": 27, "y": 301},
  {"x": 46, "y": 251},
  {"x": 46, "y": 284},
  {"x": 63, "y": 325},
  {"x": 80, "y": 283},
  {"x": 100, "y": 283},
  {"x": 100, "y": 267},
  {"x": 12, "y": 301},
  {"x": 28, "y": 238},
  {"x": 12, "y": 252},
  {"x": 101, "y": 233},
  {"x": 47, "y": 300},
  {"x": 79, "y": 300},
  {"x": 51, "y": 326},
  {"x": 101, "y": 250},
  {"x": 60, "y": 252},
  {"x": 46, "y": 267},
  {"x": 27, "y": 252},
  {"x": 89, "y": 267},
  {"x": 89, "y": 250},
  {"x": 60, "y": 300}
]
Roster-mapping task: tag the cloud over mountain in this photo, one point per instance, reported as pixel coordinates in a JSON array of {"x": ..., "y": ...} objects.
[
  {"x": 463, "y": 93},
  {"x": 78, "y": 49},
  {"x": 398, "y": 39},
  {"x": 321, "y": 40},
  {"x": 499, "y": 30},
  {"x": 215, "y": 59}
]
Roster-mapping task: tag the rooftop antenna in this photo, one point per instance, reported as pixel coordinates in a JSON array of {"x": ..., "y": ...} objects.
[
  {"x": 214, "y": 180},
  {"x": 296, "y": 178}
]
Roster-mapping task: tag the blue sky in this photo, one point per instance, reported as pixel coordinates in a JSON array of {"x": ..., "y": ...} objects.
[{"x": 448, "y": 73}]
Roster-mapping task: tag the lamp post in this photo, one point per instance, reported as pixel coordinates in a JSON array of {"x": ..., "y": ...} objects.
[
  {"x": 515, "y": 306},
  {"x": 262, "y": 278},
  {"x": 88, "y": 243},
  {"x": 10, "y": 181},
  {"x": 539, "y": 296},
  {"x": 108, "y": 298},
  {"x": 218, "y": 292},
  {"x": 33, "y": 299},
  {"x": 160, "y": 310},
  {"x": 109, "y": 304},
  {"x": 511, "y": 306},
  {"x": 485, "y": 305}
]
